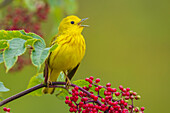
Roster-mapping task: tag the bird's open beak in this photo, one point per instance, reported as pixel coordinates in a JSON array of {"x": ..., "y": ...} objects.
[{"x": 82, "y": 20}]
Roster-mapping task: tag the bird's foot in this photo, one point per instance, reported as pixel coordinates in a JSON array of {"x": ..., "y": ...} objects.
[
  {"x": 68, "y": 84},
  {"x": 49, "y": 83}
]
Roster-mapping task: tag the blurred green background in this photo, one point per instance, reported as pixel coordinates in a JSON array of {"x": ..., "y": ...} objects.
[{"x": 128, "y": 43}]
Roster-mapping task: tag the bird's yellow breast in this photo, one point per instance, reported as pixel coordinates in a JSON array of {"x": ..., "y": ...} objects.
[{"x": 70, "y": 52}]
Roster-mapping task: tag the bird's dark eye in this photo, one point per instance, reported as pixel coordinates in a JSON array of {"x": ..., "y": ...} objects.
[{"x": 72, "y": 22}]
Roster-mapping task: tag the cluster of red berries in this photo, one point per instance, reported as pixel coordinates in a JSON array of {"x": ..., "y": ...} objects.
[
  {"x": 113, "y": 101},
  {"x": 21, "y": 18},
  {"x": 6, "y": 109},
  {"x": 18, "y": 18}
]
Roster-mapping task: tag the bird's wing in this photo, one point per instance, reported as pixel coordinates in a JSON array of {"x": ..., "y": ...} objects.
[
  {"x": 53, "y": 41},
  {"x": 72, "y": 72}
]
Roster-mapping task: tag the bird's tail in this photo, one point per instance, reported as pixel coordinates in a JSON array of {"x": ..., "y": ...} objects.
[{"x": 52, "y": 77}]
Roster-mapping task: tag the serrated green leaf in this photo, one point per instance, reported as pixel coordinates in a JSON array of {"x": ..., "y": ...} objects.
[
  {"x": 33, "y": 35},
  {"x": 81, "y": 83},
  {"x": 39, "y": 54},
  {"x": 3, "y": 44},
  {"x": 8, "y": 35},
  {"x": 30, "y": 42},
  {"x": 62, "y": 93},
  {"x": 10, "y": 55},
  {"x": 35, "y": 80},
  {"x": 3, "y": 88},
  {"x": 1, "y": 58}
]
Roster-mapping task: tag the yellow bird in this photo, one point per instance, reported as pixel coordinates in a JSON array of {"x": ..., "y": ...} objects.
[{"x": 70, "y": 51}]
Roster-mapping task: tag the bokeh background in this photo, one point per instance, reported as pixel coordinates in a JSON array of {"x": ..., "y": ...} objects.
[{"x": 128, "y": 43}]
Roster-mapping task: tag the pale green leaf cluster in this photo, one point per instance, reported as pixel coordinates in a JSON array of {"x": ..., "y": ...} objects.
[{"x": 15, "y": 43}]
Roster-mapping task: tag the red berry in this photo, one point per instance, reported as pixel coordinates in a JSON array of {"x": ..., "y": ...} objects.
[
  {"x": 67, "y": 97},
  {"x": 90, "y": 85},
  {"x": 92, "y": 96},
  {"x": 71, "y": 109},
  {"x": 85, "y": 98},
  {"x": 142, "y": 108},
  {"x": 125, "y": 104},
  {"x": 127, "y": 89},
  {"x": 95, "y": 98},
  {"x": 130, "y": 107},
  {"x": 137, "y": 97},
  {"x": 117, "y": 93},
  {"x": 103, "y": 100},
  {"x": 122, "y": 101},
  {"x": 97, "y": 80},
  {"x": 136, "y": 110},
  {"x": 66, "y": 101},
  {"x": 127, "y": 98},
  {"x": 123, "y": 94},
  {"x": 114, "y": 90},
  {"x": 87, "y": 79},
  {"x": 91, "y": 78},
  {"x": 76, "y": 88},
  {"x": 134, "y": 93},
  {"x": 5, "y": 109},
  {"x": 109, "y": 88},
  {"x": 127, "y": 93},
  {"x": 108, "y": 93},
  {"x": 90, "y": 81},
  {"x": 131, "y": 97},
  {"x": 121, "y": 87},
  {"x": 99, "y": 87},
  {"x": 96, "y": 89},
  {"x": 108, "y": 84},
  {"x": 124, "y": 90}
]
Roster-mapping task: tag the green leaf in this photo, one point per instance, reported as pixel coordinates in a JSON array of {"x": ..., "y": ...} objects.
[
  {"x": 32, "y": 35},
  {"x": 3, "y": 88},
  {"x": 35, "y": 80},
  {"x": 1, "y": 58},
  {"x": 8, "y": 35},
  {"x": 30, "y": 42},
  {"x": 81, "y": 83},
  {"x": 15, "y": 40},
  {"x": 3, "y": 44},
  {"x": 62, "y": 93},
  {"x": 10, "y": 55},
  {"x": 39, "y": 54}
]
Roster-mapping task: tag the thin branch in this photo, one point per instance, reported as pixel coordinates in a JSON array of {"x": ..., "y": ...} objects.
[{"x": 38, "y": 87}]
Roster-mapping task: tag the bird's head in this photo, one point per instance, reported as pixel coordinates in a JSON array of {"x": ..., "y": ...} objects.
[{"x": 72, "y": 24}]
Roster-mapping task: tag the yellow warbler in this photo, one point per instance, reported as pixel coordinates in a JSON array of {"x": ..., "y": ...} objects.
[{"x": 70, "y": 51}]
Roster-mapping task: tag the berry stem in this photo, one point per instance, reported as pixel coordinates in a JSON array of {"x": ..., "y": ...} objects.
[
  {"x": 132, "y": 106},
  {"x": 54, "y": 84}
]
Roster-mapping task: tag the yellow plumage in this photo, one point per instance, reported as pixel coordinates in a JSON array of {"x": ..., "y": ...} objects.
[{"x": 70, "y": 51}]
